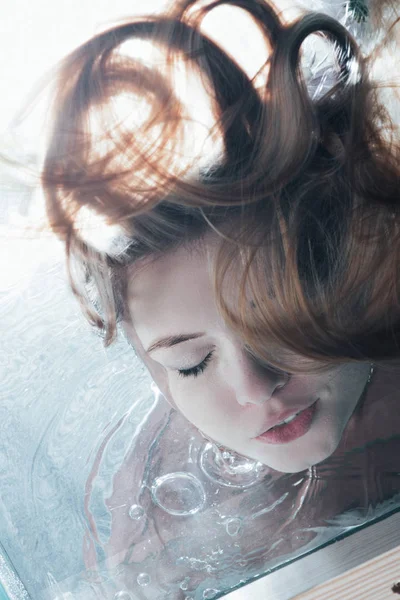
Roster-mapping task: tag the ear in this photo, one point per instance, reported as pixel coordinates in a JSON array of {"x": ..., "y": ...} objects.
[{"x": 157, "y": 371}]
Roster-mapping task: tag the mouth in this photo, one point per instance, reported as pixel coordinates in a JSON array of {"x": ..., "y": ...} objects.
[{"x": 290, "y": 426}]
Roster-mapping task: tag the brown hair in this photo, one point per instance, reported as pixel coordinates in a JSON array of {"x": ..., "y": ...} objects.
[{"x": 305, "y": 195}]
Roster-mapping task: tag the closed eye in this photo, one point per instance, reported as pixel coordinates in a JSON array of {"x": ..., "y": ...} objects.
[{"x": 195, "y": 371}]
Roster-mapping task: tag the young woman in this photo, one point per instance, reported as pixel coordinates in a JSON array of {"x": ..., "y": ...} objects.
[
  {"x": 256, "y": 273},
  {"x": 258, "y": 282}
]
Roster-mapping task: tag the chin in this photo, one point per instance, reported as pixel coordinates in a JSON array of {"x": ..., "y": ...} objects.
[
  {"x": 284, "y": 466},
  {"x": 294, "y": 467},
  {"x": 323, "y": 453},
  {"x": 311, "y": 458}
]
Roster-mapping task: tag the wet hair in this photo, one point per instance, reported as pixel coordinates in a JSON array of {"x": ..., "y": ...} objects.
[{"x": 304, "y": 195}]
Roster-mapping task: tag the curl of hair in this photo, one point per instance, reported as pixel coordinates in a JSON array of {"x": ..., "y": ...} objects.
[{"x": 305, "y": 196}]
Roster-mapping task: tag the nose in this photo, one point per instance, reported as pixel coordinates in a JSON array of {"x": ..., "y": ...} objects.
[{"x": 255, "y": 383}]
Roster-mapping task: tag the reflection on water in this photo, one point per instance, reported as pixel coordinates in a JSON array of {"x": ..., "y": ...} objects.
[
  {"x": 203, "y": 535},
  {"x": 108, "y": 493},
  {"x": 229, "y": 468}
]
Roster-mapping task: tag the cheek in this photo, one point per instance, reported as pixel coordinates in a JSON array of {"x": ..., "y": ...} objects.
[
  {"x": 204, "y": 401},
  {"x": 190, "y": 398},
  {"x": 326, "y": 433}
]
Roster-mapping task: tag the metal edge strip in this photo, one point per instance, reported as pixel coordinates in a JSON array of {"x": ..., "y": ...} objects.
[{"x": 333, "y": 559}]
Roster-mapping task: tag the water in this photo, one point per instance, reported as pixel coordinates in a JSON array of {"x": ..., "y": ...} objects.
[
  {"x": 122, "y": 596},
  {"x": 233, "y": 526},
  {"x": 136, "y": 512},
  {"x": 143, "y": 579},
  {"x": 107, "y": 493},
  {"x": 228, "y": 468},
  {"x": 180, "y": 494}
]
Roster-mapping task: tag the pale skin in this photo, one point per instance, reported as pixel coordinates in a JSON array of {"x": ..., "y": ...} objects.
[
  {"x": 227, "y": 401},
  {"x": 232, "y": 396}
]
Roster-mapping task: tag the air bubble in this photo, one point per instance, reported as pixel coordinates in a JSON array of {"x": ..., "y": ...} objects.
[
  {"x": 233, "y": 526},
  {"x": 180, "y": 494},
  {"x": 209, "y": 593},
  {"x": 230, "y": 468},
  {"x": 136, "y": 512},
  {"x": 122, "y": 596},
  {"x": 143, "y": 579},
  {"x": 184, "y": 584}
]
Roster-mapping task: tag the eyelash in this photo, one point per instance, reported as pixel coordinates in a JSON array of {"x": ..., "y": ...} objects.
[
  {"x": 195, "y": 371},
  {"x": 200, "y": 368}
]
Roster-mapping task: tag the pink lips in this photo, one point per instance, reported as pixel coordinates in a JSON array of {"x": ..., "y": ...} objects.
[
  {"x": 282, "y": 416},
  {"x": 283, "y": 434}
]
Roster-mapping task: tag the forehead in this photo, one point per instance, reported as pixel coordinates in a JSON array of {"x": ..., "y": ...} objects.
[{"x": 173, "y": 294}]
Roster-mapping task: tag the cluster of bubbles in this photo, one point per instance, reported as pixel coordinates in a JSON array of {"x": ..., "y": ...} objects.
[{"x": 182, "y": 494}]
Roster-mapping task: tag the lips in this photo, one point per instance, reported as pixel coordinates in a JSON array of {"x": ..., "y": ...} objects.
[
  {"x": 297, "y": 428},
  {"x": 281, "y": 417}
]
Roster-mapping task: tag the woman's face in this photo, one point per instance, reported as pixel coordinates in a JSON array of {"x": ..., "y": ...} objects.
[{"x": 216, "y": 383}]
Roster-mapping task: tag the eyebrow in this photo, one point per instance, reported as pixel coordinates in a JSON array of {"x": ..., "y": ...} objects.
[{"x": 173, "y": 340}]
